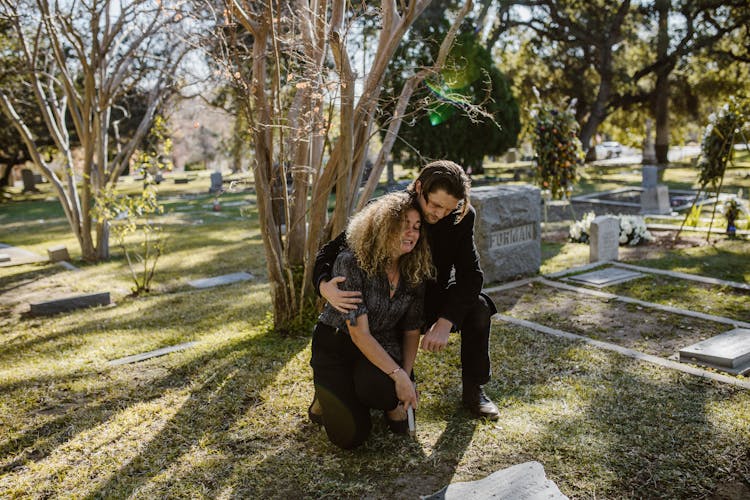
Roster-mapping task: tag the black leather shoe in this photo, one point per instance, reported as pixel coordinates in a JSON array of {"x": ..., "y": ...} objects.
[
  {"x": 316, "y": 418},
  {"x": 477, "y": 402}
]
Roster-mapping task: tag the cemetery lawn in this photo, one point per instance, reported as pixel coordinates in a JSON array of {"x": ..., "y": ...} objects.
[{"x": 227, "y": 417}]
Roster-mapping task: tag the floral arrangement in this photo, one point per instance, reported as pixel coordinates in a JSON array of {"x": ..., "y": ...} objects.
[
  {"x": 732, "y": 208},
  {"x": 633, "y": 229},
  {"x": 717, "y": 146},
  {"x": 558, "y": 149}
]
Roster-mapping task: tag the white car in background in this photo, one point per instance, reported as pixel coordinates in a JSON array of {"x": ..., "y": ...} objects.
[{"x": 608, "y": 149}]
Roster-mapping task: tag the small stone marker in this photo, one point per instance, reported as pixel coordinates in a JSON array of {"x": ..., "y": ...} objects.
[
  {"x": 220, "y": 280},
  {"x": 606, "y": 277},
  {"x": 605, "y": 238},
  {"x": 69, "y": 303},
  {"x": 525, "y": 481},
  {"x": 216, "y": 183},
  {"x": 655, "y": 200},
  {"x": 729, "y": 352},
  {"x": 4, "y": 257},
  {"x": 508, "y": 230},
  {"x": 58, "y": 253},
  {"x": 151, "y": 354},
  {"x": 181, "y": 180}
]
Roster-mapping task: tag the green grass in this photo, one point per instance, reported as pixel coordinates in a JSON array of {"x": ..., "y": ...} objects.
[{"x": 227, "y": 418}]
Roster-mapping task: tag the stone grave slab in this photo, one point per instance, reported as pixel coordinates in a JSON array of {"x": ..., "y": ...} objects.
[
  {"x": 4, "y": 257},
  {"x": 525, "y": 481},
  {"x": 69, "y": 304},
  {"x": 151, "y": 354},
  {"x": 606, "y": 277},
  {"x": 18, "y": 256},
  {"x": 225, "y": 279},
  {"x": 729, "y": 352}
]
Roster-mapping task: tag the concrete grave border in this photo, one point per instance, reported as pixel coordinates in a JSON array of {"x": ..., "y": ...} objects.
[{"x": 631, "y": 353}]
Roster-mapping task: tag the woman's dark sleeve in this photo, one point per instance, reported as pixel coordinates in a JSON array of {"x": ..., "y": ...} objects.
[
  {"x": 325, "y": 258},
  {"x": 346, "y": 265}
]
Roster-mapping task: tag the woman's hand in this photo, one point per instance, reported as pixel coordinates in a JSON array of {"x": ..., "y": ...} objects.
[
  {"x": 405, "y": 390},
  {"x": 341, "y": 300}
]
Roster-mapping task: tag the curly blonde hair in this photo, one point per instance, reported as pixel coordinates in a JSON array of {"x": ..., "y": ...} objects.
[{"x": 373, "y": 233}]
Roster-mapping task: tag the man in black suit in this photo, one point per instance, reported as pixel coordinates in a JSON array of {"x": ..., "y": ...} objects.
[{"x": 454, "y": 301}]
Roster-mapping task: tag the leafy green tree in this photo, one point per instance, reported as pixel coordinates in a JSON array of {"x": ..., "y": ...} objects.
[{"x": 464, "y": 114}]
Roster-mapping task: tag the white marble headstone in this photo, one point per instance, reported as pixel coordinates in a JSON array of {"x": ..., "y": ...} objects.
[{"x": 604, "y": 238}]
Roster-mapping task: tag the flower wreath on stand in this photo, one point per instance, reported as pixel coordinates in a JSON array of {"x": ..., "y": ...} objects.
[{"x": 558, "y": 149}]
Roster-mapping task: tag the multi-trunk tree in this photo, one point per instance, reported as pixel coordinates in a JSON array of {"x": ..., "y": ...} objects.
[
  {"x": 81, "y": 60},
  {"x": 312, "y": 119}
]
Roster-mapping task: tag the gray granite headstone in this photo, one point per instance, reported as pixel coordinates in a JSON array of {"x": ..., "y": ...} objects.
[
  {"x": 655, "y": 200},
  {"x": 525, "y": 481},
  {"x": 69, "y": 304},
  {"x": 604, "y": 238},
  {"x": 508, "y": 230},
  {"x": 220, "y": 280},
  {"x": 606, "y": 277},
  {"x": 216, "y": 183},
  {"x": 729, "y": 352}
]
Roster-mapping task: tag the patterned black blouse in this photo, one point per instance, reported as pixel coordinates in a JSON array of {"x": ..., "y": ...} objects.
[{"x": 388, "y": 317}]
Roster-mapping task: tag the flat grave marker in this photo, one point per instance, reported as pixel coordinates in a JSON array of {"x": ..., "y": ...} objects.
[
  {"x": 71, "y": 303},
  {"x": 4, "y": 257},
  {"x": 525, "y": 481},
  {"x": 18, "y": 256},
  {"x": 606, "y": 277},
  {"x": 225, "y": 279},
  {"x": 729, "y": 352},
  {"x": 151, "y": 354}
]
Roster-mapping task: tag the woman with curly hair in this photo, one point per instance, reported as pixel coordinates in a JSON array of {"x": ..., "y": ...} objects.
[{"x": 363, "y": 359}]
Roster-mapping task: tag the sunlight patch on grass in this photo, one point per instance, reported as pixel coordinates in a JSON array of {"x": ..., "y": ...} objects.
[{"x": 92, "y": 456}]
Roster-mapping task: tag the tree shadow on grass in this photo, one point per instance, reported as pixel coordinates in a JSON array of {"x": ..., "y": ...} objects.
[
  {"x": 233, "y": 378},
  {"x": 609, "y": 426}
]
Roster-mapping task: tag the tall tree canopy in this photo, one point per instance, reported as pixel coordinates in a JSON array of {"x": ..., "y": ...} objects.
[
  {"x": 463, "y": 113},
  {"x": 611, "y": 55}
]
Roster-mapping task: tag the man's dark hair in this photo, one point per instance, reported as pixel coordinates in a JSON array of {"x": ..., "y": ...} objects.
[{"x": 448, "y": 176}]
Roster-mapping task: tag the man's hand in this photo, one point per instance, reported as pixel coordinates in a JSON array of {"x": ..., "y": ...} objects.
[
  {"x": 341, "y": 300},
  {"x": 436, "y": 338}
]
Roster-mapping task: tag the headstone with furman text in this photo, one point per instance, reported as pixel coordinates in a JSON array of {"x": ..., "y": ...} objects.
[
  {"x": 508, "y": 230},
  {"x": 604, "y": 243}
]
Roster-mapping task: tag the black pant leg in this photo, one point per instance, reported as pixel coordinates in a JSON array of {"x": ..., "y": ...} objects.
[
  {"x": 475, "y": 343},
  {"x": 374, "y": 388},
  {"x": 345, "y": 418}
]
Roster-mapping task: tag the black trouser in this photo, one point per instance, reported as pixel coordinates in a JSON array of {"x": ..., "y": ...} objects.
[
  {"x": 475, "y": 340},
  {"x": 347, "y": 385}
]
